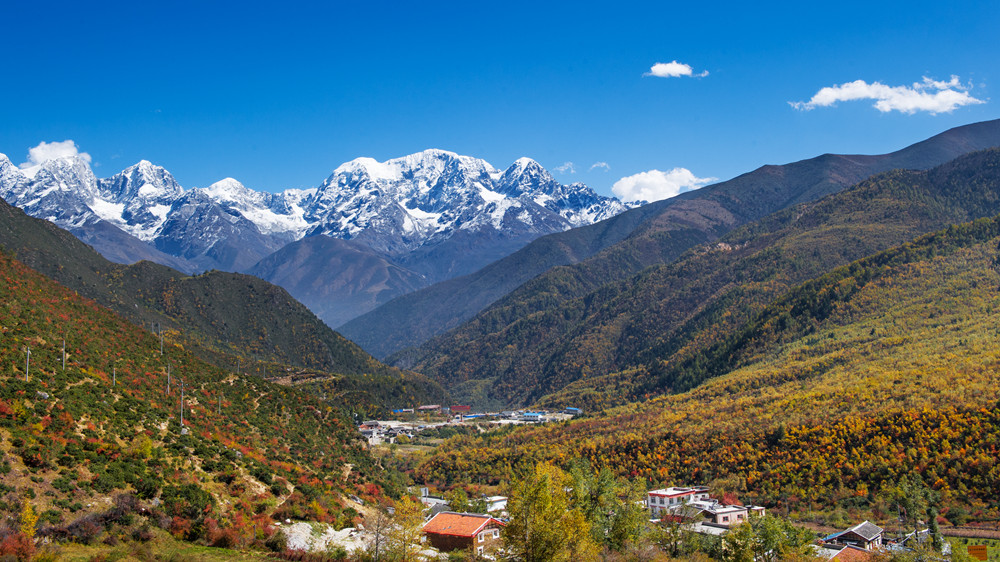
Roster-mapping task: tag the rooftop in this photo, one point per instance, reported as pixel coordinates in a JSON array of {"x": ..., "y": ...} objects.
[
  {"x": 458, "y": 524},
  {"x": 678, "y": 491},
  {"x": 867, "y": 530}
]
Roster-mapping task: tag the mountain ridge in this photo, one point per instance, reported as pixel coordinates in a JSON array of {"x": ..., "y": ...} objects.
[
  {"x": 435, "y": 212},
  {"x": 625, "y": 244},
  {"x": 662, "y": 316}
]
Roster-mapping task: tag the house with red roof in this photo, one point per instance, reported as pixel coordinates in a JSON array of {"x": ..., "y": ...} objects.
[
  {"x": 449, "y": 531},
  {"x": 668, "y": 499}
]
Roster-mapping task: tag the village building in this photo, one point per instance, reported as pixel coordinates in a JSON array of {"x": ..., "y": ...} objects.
[
  {"x": 532, "y": 417},
  {"x": 721, "y": 514},
  {"x": 668, "y": 499},
  {"x": 449, "y": 531},
  {"x": 866, "y": 535},
  {"x": 496, "y": 504}
]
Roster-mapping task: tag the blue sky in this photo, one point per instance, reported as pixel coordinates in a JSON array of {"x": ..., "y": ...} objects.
[{"x": 276, "y": 95}]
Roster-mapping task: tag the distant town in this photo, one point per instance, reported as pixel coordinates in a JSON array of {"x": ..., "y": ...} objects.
[{"x": 412, "y": 421}]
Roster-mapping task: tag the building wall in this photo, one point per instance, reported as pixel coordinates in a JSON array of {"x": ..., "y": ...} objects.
[
  {"x": 447, "y": 543},
  {"x": 730, "y": 518}
]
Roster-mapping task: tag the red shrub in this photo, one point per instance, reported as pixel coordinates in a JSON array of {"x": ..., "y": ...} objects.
[{"x": 19, "y": 546}]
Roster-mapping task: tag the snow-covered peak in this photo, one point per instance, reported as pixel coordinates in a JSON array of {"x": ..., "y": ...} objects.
[
  {"x": 227, "y": 189},
  {"x": 10, "y": 175},
  {"x": 144, "y": 181},
  {"x": 425, "y": 167},
  {"x": 524, "y": 162},
  {"x": 72, "y": 173},
  {"x": 527, "y": 176},
  {"x": 368, "y": 167}
]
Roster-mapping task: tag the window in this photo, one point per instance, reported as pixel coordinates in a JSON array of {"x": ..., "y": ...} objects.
[
  {"x": 496, "y": 533},
  {"x": 725, "y": 519},
  {"x": 479, "y": 551},
  {"x": 481, "y": 537}
]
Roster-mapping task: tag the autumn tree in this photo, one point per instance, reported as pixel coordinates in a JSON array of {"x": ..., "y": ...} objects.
[
  {"x": 765, "y": 539},
  {"x": 609, "y": 504},
  {"x": 543, "y": 526},
  {"x": 396, "y": 532},
  {"x": 29, "y": 520}
]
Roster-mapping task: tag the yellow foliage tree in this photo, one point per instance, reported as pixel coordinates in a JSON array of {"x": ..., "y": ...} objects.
[{"x": 28, "y": 520}]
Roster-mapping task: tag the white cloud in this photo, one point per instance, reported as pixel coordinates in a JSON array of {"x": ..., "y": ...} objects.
[
  {"x": 46, "y": 151},
  {"x": 566, "y": 168},
  {"x": 673, "y": 69},
  {"x": 655, "y": 185},
  {"x": 600, "y": 165},
  {"x": 932, "y": 96}
]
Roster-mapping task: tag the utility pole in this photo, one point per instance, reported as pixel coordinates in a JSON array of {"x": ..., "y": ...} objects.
[
  {"x": 168, "y": 378},
  {"x": 114, "y": 375},
  {"x": 64, "y": 354},
  {"x": 182, "y": 405},
  {"x": 27, "y": 362}
]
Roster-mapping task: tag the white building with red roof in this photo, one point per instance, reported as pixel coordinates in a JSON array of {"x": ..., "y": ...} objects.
[{"x": 668, "y": 499}]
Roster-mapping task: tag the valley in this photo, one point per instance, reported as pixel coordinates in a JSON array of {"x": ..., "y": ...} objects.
[{"x": 811, "y": 346}]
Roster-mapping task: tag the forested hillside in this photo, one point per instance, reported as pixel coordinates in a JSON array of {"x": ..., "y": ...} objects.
[
  {"x": 876, "y": 378},
  {"x": 228, "y": 319},
  {"x": 92, "y": 437},
  {"x": 617, "y": 248},
  {"x": 564, "y": 354}
]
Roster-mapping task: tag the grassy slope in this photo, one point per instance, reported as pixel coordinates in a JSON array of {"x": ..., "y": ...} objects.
[
  {"x": 878, "y": 370},
  {"x": 71, "y": 439}
]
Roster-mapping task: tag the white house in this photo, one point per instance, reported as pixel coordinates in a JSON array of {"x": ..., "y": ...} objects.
[{"x": 667, "y": 499}]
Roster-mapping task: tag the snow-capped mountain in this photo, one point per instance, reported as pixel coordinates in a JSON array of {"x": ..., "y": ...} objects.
[
  {"x": 394, "y": 206},
  {"x": 137, "y": 199},
  {"x": 404, "y": 203},
  {"x": 436, "y": 213},
  {"x": 58, "y": 190}
]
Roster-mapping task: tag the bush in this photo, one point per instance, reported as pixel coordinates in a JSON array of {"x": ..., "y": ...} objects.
[
  {"x": 18, "y": 546},
  {"x": 187, "y": 500},
  {"x": 277, "y": 542},
  {"x": 219, "y": 537},
  {"x": 147, "y": 486},
  {"x": 142, "y": 534},
  {"x": 85, "y": 530}
]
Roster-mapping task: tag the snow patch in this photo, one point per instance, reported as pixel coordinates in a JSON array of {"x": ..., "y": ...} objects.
[
  {"x": 225, "y": 189},
  {"x": 269, "y": 222},
  {"x": 148, "y": 191},
  {"x": 490, "y": 196},
  {"x": 376, "y": 170},
  {"x": 160, "y": 212},
  {"x": 111, "y": 212}
]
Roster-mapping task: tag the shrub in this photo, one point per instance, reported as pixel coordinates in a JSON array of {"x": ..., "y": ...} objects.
[
  {"x": 18, "y": 546},
  {"x": 277, "y": 542},
  {"x": 85, "y": 530},
  {"x": 147, "y": 486},
  {"x": 180, "y": 528},
  {"x": 142, "y": 534},
  {"x": 219, "y": 537},
  {"x": 187, "y": 500}
]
